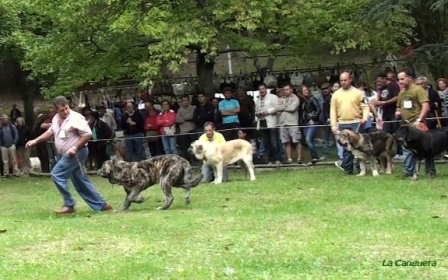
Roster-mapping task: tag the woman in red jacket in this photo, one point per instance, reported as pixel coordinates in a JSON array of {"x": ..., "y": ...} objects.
[
  {"x": 152, "y": 130},
  {"x": 167, "y": 123}
]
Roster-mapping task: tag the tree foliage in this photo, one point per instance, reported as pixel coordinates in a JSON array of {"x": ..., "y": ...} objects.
[
  {"x": 429, "y": 38},
  {"x": 106, "y": 40},
  {"x": 15, "y": 21}
]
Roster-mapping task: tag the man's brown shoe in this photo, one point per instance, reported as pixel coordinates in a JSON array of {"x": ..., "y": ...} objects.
[
  {"x": 106, "y": 207},
  {"x": 65, "y": 210}
]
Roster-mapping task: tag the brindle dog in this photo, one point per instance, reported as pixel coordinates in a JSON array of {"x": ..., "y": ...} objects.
[
  {"x": 376, "y": 145},
  {"x": 168, "y": 170}
]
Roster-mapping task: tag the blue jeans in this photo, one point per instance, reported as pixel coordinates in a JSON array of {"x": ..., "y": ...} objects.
[
  {"x": 74, "y": 168},
  {"x": 280, "y": 145},
  {"x": 410, "y": 160},
  {"x": 134, "y": 147},
  {"x": 261, "y": 151},
  {"x": 169, "y": 145},
  {"x": 347, "y": 157},
  {"x": 339, "y": 148},
  {"x": 326, "y": 132},
  {"x": 208, "y": 175},
  {"x": 310, "y": 133},
  {"x": 269, "y": 137}
]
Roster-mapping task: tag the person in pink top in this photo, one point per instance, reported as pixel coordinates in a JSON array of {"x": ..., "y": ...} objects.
[
  {"x": 167, "y": 123},
  {"x": 71, "y": 133}
]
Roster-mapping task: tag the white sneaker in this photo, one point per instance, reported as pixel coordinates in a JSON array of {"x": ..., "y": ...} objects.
[
  {"x": 338, "y": 164},
  {"x": 399, "y": 157}
]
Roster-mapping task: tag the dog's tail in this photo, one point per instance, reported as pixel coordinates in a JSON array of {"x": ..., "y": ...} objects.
[
  {"x": 189, "y": 182},
  {"x": 193, "y": 183}
]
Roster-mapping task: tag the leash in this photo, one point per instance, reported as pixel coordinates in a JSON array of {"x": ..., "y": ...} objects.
[
  {"x": 358, "y": 127},
  {"x": 82, "y": 168}
]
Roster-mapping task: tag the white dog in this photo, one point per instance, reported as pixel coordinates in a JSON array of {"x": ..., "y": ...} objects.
[{"x": 220, "y": 155}]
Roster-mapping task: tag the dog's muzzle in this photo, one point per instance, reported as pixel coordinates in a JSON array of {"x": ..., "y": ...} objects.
[
  {"x": 102, "y": 174},
  {"x": 190, "y": 151},
  {"x": 342, "y": 144}
]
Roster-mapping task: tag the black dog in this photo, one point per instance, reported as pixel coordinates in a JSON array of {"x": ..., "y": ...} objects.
[{"x": 424, "y": 145}]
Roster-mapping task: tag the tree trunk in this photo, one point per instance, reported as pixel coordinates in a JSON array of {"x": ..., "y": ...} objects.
[
  {"x": 204, "y": 73},
  {"x": 28, "y": 106},
  {"x": 270, "y": 64},
  {"x": 28, "y": 91}
]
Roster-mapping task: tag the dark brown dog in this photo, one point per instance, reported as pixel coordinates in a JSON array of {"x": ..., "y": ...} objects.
[{"x": 168, "y": 170}]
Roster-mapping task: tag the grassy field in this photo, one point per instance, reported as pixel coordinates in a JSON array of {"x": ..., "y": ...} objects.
[{"x": 296, "y": 224}]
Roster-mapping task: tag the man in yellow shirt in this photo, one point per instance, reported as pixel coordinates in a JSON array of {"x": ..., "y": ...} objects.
[
  {"x": 211, "y": 135},
  {"x": 348, "y": 110},
  {"x": 413, "y": 107}
]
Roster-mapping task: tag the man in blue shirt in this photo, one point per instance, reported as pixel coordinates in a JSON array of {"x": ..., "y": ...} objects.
[
  {"x": 8, "y": 140},
  {"x": 229, "y": 109}
]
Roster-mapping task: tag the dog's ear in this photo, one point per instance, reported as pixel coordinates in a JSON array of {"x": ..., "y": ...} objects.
[
  {"x": 200, "y": 149},
  {"x": 351, "y": 137}
]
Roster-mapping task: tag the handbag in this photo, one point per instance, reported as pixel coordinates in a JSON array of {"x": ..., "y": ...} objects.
[
  {"x": 170, "y": 130},
  {"x": 151, "y": 136}
]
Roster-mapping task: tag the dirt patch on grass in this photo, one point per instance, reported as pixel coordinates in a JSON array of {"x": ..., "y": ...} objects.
[{"x": 110, "y": 246}]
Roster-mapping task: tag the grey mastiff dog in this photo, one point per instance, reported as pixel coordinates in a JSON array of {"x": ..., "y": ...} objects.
[{"x": 168, "y": 170}]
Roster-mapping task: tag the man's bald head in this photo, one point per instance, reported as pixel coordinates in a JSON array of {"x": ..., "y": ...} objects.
[
  {"x": 346, "y": 80},
  {"x": 130, "y": 107}
]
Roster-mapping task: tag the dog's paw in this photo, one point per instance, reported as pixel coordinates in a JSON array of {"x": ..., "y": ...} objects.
[
  {"x": 414, "y": 177},
  {"x": 388, "y": 171},
  {"x": 375, "y": 173},
  {"x": 361, "y": 174},
  {"x": 217, "y": 182},
  {"x": 160, "y": 208},
  {"x": 187, "y": 201}
]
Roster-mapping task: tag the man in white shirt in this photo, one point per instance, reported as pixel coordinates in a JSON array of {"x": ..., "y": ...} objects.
[
  {"x": 71, "y": 133},
  {"x": 266, "y": 114}
]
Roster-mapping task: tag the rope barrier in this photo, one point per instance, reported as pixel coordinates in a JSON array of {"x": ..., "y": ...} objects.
[
  {"x": 259, "y": 167},
  {"x": 233, "y": 129}
]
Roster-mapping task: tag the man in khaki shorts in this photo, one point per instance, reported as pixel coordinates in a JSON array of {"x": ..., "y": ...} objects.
[{"x": 288, "y": 121}]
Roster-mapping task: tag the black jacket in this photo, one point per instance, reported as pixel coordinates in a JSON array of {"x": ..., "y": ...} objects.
[
  {"x": 326, "y": 107},
  {"x": 435, "y": 103},
  {"x": 203, "y": 114},
  {"x": 132, "y": 129},
  {"x": 310, "y": 109},
  {"x": 24, "y": 136},
  {"x": 103, "y": 132}
]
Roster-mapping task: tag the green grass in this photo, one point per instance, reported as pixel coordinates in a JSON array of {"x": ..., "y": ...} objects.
[{"x": 296, "y": 224}]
